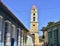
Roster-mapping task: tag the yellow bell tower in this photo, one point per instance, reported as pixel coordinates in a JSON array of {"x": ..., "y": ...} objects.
[{"x": 34, "y": 25}]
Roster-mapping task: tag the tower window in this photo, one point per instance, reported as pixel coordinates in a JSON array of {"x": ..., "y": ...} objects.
[
  {"x": 33, "y": 18},
  {"x": 33, "y": 24},
  {"x": 32, "y": 34},
  {"x": 34, "y": 9},
  {"x": 33, "y": 13}
]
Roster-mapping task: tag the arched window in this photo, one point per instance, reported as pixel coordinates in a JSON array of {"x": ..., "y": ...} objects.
[
  {"x": 33, "y": 24},
  {"x": 33, "y": 14},
  {"x": 33, "y": 18}
]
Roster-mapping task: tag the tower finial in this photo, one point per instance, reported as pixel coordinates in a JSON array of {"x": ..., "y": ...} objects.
[{"x": 33, "y": 7}]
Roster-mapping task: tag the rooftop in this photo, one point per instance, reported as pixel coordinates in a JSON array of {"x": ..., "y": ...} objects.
[{"x": 7, "y": 11}]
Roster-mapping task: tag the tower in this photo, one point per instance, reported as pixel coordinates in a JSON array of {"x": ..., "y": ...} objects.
[{"x": 34, "y": 25}]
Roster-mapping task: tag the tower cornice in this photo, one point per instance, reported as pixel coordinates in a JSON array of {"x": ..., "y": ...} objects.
[{"x": 33, "y": 22}]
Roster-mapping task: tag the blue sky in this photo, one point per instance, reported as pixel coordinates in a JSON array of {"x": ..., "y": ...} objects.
[{"x": 48, "y": 10}]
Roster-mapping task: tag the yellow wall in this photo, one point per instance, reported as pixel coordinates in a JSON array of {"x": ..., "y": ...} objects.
[
  {"x": 34, "y": 30},
  {"x": 25, "y": 33}
]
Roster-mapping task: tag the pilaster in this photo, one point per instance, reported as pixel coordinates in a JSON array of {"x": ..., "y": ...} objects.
[
  {"x": 1, "y": 31},
  {"x": 7, "y": 33}
]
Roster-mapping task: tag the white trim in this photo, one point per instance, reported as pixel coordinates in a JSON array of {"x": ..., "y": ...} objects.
[
  {"x": 8, "y": 43},
  {"x": 18, "y": 43},
  {"x": 0, "y": 32},
  {"x": 8, "y": 21},
  {"x": 8, "y": 39},
  {"x": 54, "y": 28},
  {"x": 13, "y": 25},
  {"x": 18, "y": 39},
  {"x": 8, "y": 34},
  {"x": 0, "y": 35},
  {"x": 1, "y": 17},
  {"x": 49, "y": 30},
  {"x": 19, "y": 29}
]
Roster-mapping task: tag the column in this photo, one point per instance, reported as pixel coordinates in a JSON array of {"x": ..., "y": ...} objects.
[
  {"x": 1, "y": 31},
  {"x": 19, "y": 37},
  {"x": 22, "y": 38},
  {"x": 22, "y": 41},
  {"x": 7, "y": 33},
  {"x": 14, "y": 36},
  {"x": 25, "y": 39}
]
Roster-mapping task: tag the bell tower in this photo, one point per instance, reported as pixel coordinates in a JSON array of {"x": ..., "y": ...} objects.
[{"x": 34, "y": 25}]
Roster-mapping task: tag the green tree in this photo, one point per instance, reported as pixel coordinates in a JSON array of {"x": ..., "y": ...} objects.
[{"x": 50, "y": 24}]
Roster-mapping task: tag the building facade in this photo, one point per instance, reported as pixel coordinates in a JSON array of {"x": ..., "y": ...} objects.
[
  {"x": 12, "y": 31},
  {"x": 45, "y": 36},
  {"x": 53, "y": 35},
  {"x": 53, "y": 32},
  {"x": 29, "y": 40},
  {"x": 34, "y": 25}
]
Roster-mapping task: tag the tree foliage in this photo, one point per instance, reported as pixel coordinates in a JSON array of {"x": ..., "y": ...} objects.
[{"x": 50, "y": 24}]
